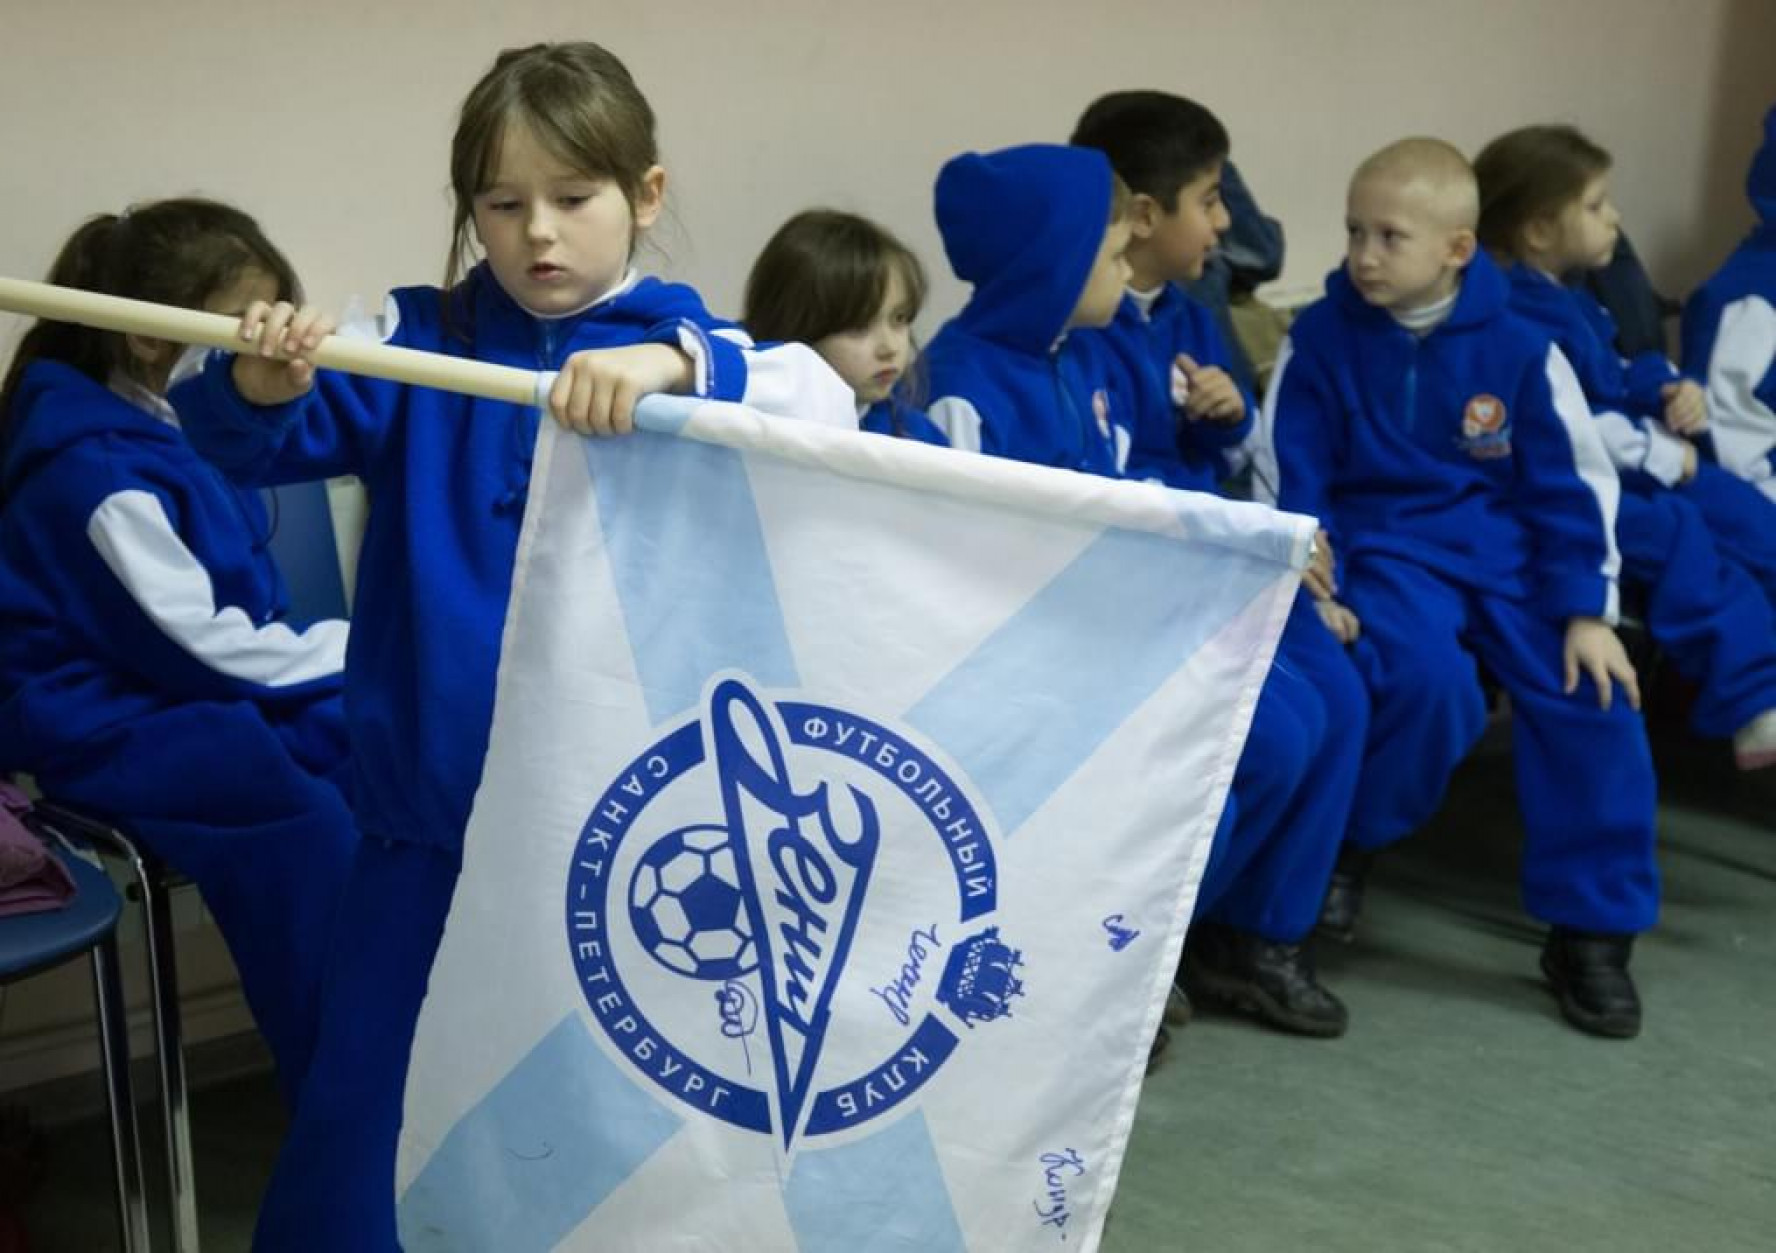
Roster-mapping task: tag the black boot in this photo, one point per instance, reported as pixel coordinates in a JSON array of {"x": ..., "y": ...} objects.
[
  {"x": 1344, "y": 896},
  {"x": 1589, "y": 973},
  {"x": 1274, "y": 981}
]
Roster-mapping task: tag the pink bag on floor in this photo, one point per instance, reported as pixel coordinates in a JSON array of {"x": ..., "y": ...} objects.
[{"x": 32, "y": 879}]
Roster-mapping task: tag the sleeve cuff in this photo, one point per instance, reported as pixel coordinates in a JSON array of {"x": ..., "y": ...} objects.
[
  {"x": 1222, "y": 437},
  {"x": 718, "y": 366},
  {"x": 1665, "y": 454},
  {"x": 1582, "y": 596},
  {"x": 217, "y": 382}
]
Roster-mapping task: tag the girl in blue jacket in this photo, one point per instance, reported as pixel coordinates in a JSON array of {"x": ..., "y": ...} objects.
[
  {"x": 1700, "y": 541},
  {"x": 851, "y": 290},
  {"x": 554, "y": 166},
  {"x": 148, "y": 671}
]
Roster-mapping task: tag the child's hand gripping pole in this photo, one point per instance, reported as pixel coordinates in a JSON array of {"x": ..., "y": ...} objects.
[{"x": 354, "y": 356}]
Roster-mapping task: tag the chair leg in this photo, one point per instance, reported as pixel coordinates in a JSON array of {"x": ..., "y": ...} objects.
[
  {"x": 170, "y": 1053},
  {"x": 126, "y": 1151}
]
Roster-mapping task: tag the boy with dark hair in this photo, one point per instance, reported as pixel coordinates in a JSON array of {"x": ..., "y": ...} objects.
[
  {"x": 1188, "y": 415},
  {"x": 1040, "y": 231}
]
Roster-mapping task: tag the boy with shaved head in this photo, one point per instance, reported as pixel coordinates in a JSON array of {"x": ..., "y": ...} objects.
[{"x": 1447, "y": 448}]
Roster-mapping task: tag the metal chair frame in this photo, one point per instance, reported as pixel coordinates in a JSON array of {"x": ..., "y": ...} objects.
[
  {"x": 114, "y": 1057},
  {"x": 152, "y": 886}
]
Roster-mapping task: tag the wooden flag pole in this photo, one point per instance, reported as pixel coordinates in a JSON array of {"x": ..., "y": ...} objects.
[{"x": 192, "y": 326}]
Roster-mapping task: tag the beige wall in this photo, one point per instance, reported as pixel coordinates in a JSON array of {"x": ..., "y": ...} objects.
[{"x": 330, "y": 120}]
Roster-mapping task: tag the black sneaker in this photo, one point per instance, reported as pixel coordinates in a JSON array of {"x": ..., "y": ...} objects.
[
  {"x": 1344, "y": 896},
  {"x": 1589, "y": 973},
  {"x": 1274, "y": 981}
]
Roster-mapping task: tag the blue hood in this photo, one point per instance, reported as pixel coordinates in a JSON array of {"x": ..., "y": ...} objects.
[
  {"x": 1749, "y": 273},
  {"x": 1760, "y": 180},
  {"x": 1023, "y": 225},
  {"x": 80, "y": 653},
  {"x": 56, "y": 406}
]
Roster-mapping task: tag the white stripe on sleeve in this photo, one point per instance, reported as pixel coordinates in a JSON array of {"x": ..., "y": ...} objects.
[
  {"x": 137, "y": 541},
  {"x": 1260, "y": 445},
  {"x": 1744, "y": 351},
  {"x": 1666, "y": 453},
  {"x": 1622, "y": 436},
  {"x": 958, "y": 420},
  {"x": 1592, "y": 460},
  {"x": 794, "y": 381},
  {"x": 1642, "y": 445}
]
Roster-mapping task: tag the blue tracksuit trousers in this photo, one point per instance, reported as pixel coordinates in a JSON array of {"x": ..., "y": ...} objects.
[
  {"x": 1291, "y": 796},
  {"x": 1704, "y": 611},
  {"x": 1585, "y": 780}
]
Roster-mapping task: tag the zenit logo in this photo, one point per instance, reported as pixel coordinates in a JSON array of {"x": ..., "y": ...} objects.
[
  {"x": 776, "y": 913},
  {"x": 1482, "y": 415},
  {"x": 1485, "y": 430}
]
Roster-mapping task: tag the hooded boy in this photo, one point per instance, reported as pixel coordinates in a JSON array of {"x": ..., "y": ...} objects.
[{"x": 1040, "y": 231}]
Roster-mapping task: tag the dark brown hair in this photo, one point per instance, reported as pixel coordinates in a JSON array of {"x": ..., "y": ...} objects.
[
  {"x": 824, "y": 272},
  {"x": 582, "y": 105},
  {"x": 1157, "y": 142},
  {"x": 173, "y": 252},
  {"x": 1531, "y": 174}
]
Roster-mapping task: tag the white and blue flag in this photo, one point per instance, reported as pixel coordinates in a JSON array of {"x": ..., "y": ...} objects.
[{"x": 845, "y": 805}]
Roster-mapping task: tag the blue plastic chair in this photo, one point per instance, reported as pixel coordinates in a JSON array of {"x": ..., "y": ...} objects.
[{"x": 32, "y": 943}]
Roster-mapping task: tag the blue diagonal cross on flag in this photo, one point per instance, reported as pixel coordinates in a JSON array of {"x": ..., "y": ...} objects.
[{"x": 844, "y": 808}]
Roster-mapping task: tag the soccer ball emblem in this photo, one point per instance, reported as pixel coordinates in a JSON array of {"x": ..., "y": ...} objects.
[{"x": 685, "y": 905}]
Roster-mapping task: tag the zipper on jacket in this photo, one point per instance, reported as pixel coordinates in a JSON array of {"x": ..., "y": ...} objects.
[
  {"x": 1412, "y": 387},
  {"x": 523, "y": 429},
  {"x": 1068, "y": 405},
  {"x": 546, "y": 355}
]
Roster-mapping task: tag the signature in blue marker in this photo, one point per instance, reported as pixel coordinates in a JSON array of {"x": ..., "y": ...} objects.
[
  {"x": 898, "y": 994},
  {"x": 1057, "y": 1168},
  {"x": 1120, "y": 936},
  {"x": 739, "y": 1015}
]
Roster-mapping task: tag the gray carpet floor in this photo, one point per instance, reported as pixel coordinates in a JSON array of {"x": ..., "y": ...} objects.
[{"x": 1459, "y": 1113}]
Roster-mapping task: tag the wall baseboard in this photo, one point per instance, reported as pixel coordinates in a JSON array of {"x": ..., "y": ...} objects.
[
  {"x": 55, "y": 1072},
  {"x": 79, "y": 1098}
]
